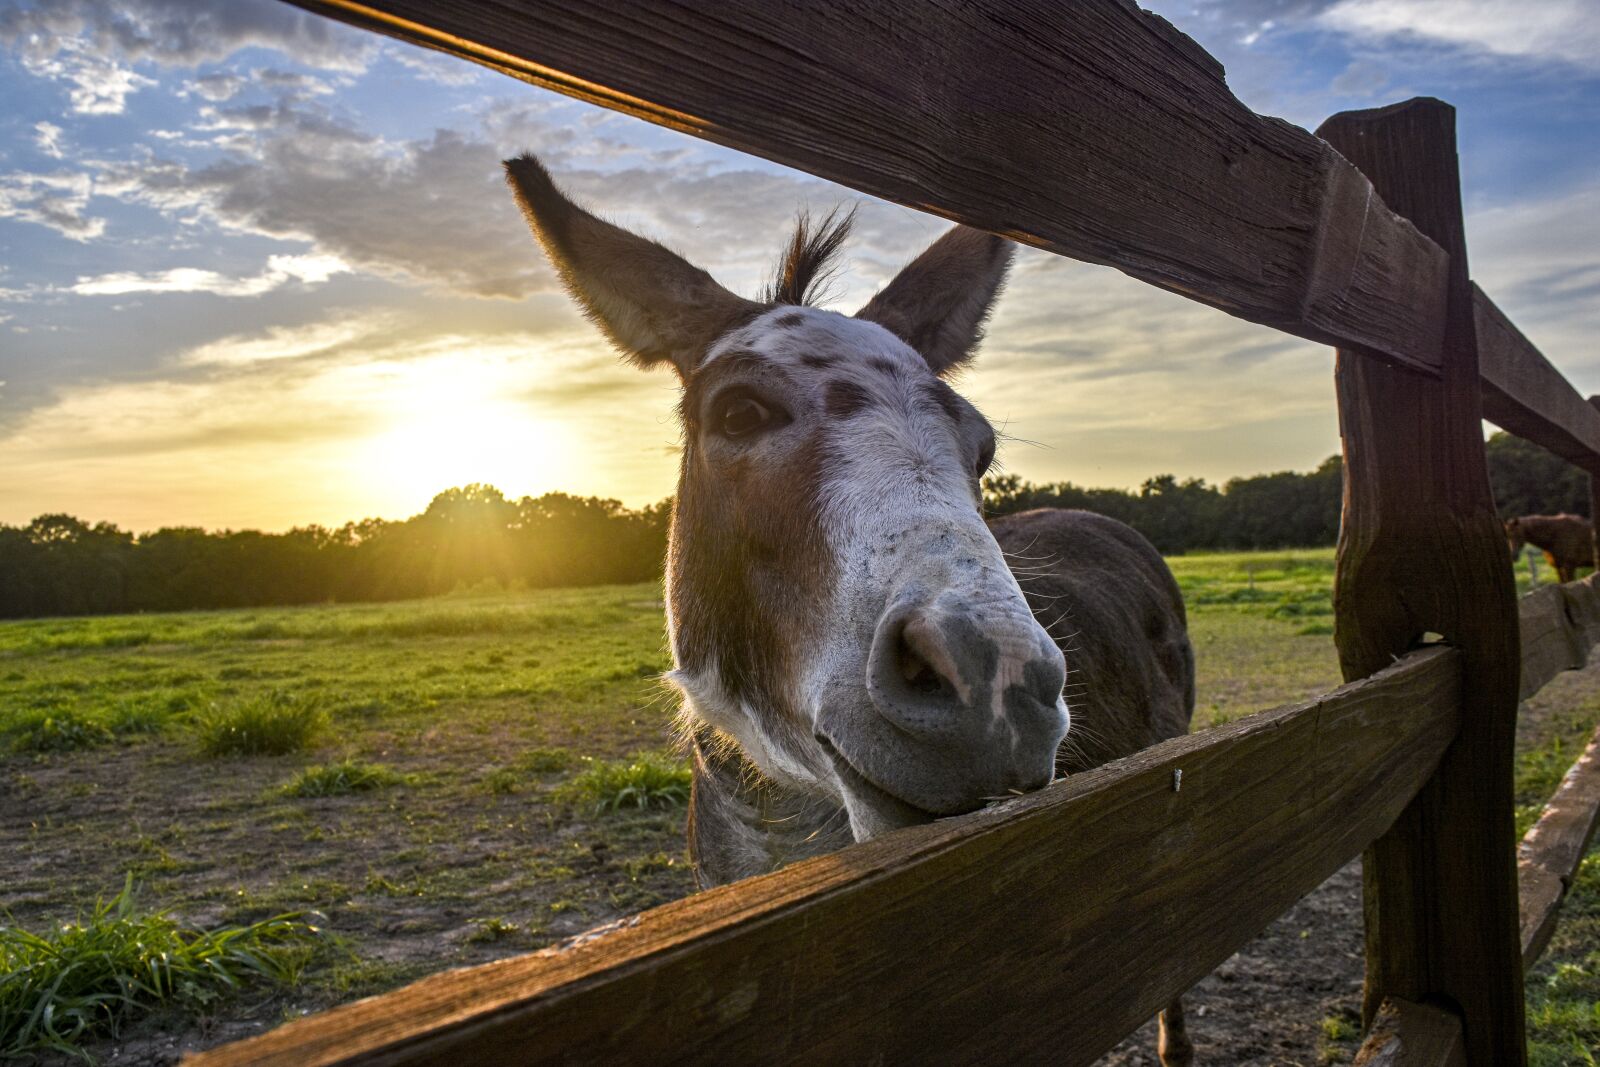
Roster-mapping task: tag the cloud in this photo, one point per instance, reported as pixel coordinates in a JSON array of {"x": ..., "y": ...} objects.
[
  {"x": 1562, "y": 31},
  {"x": 47, "y": 138},
  {"x": 436, "y": 211},
  {"x": 291, "y": 82},
  {"x": 99, "y": 86},
  {"x": 1362, "y": 77},
  {"x": 280, "y": 270},
  {"x": 59, "y": 201},
  {"x": 180, "y": 33},
  {"x": 435, "y": 67},
  {"x": 288, "y": 342},
  {"x": 1541, "y": 265},
  {"x": 214, "y": 87}
]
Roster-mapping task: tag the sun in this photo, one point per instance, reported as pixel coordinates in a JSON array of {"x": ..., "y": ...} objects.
[{"x": 453, "y": 421}]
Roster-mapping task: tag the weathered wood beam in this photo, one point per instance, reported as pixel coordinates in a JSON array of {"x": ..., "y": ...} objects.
[
  {"x": 1523, "y": 393},
  {"x": 1042, "y": 930},
  {"x": 1092, "y": 129},
  {"x": 1548, "y": 858},
  {"x": 1559, "y": 624},
  {"x": 1594, "y": 501},
  {"x": 1413, "y": 1035},
  {"x": 1421, "y": 550}
]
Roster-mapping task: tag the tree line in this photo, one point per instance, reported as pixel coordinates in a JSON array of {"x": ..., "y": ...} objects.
[{"x": 61, "y": 565}]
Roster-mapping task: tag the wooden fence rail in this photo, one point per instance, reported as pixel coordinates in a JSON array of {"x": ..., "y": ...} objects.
[
  {"x": 1050, "y": 926},
  {"x": 1063, "y": 919},
  {"x": 1092, "y": 129}
]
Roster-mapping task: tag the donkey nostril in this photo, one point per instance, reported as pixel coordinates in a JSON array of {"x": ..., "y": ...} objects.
[{"x": 920, "y": 676}]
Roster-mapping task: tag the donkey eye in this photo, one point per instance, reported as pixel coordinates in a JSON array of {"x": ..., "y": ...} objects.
[
  {"x": 742, "y": 415},
  {"x": 985, "y": 457}
]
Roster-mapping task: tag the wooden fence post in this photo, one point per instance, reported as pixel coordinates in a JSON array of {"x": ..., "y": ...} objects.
[
  {"x": 1594, "y": 505},
  {"x": 1421, "y": 550}
]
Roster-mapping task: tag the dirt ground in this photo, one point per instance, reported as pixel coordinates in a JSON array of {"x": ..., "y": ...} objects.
[{"x": 1266, "y": 1006}]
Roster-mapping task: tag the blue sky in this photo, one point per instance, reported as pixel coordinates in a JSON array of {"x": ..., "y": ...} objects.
[{"x": 257, "y": 269}]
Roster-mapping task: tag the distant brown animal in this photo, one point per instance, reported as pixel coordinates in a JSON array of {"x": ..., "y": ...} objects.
[{"x": 1567, "y": 540}]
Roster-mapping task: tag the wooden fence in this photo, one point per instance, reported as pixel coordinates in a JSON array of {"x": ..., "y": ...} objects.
[{"x": 1049, "y": 927}]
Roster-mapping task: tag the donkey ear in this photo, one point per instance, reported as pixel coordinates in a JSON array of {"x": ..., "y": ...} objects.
[
  {"x": 651, "y": 303},
  {"x": 939, "y": 302}
]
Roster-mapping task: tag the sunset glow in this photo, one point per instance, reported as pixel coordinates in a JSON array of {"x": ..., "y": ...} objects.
[
  {"x": 450, "y": 422},
  {"x": 261, "y": 270}
]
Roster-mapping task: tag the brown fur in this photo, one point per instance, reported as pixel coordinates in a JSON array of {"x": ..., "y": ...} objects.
[
  {"x": 941, "y": 279},
  {"x": 1567, "y": 541},
  {"x": 806, "y": 265},
  {"x": 647, "y": 300},
  {"x": 1113, "y": 607}
]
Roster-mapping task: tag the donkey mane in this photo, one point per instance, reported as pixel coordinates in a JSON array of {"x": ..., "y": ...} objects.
[{"x": 807, "y": 263}]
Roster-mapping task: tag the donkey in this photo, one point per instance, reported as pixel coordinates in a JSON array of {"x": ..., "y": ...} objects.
[
  {"x": 1567, "y": 541},
  {"x": 857, "y": 650}
]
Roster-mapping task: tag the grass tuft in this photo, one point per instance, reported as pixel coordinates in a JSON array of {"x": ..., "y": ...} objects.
[
  {"x": 88, "y": 978},
  {"x": 545, "y": 760},
  {"x": 60, "y": 731},
  {"x": 649, "y": 780},
  {"x": 346, "y": 776},
  {"x": 272, "y": 724}
]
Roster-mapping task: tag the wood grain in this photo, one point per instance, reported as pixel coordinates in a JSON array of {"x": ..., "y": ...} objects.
[
  {"x": 1421, "y": 550},
  {"x": 1413, "y": 1035},
  {"x": 1523, "y": 393},
  {"x": 1044, "y": 929},
  {"x": 1092, "y": 129},
  {"x": 1559, "y": 626},
  {"x": 1548, "y": 858},
  {"x": 1549, "y": 643}
]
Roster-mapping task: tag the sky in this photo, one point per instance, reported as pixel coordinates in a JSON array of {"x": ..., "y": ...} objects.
[{"x": 258, "y": 269}]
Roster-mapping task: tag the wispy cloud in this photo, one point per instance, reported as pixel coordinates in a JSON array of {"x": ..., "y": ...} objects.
[
  {"x": 280, "y": 270},
  {"x": 59, "y": 201},
  {"x": 288, "y": 342},
  {"x": 1563, "y": 31},
  {"x": 216, "y": 87},
  {"x": 98, "y": 86},
  {"x": 47, "y": 138}
]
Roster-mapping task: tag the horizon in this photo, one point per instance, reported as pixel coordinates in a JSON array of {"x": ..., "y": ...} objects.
[
  {"x": 1220, "y": 486},
  {"x": 210, "y": 314}
]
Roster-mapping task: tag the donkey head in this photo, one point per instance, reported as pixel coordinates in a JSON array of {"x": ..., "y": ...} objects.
[{"x": 836, "y": 604}]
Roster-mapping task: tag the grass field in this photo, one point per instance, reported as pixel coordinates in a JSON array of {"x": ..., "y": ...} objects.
[{"x": 450, "y": 781}]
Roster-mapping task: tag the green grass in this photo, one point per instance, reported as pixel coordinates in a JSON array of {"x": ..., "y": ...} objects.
[
  {"x": 61, "y": 731},
  {"x": 1340, "y": 1034},
  {"x": 513, "y": 718},
  {"x": 1564, "y": 987},
  {"x": 90, "y": 977},
  {"x": 648, "y": 780},
  {"x": 342, "y": 778},
  {"x": 271, "y": 724}
]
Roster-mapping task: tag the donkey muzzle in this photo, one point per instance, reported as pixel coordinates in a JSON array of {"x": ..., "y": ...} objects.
[{"x": 965, "y": 706}]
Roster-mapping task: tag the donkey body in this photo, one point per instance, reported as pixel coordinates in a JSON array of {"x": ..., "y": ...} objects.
[
  {"x": 1567, "y": 541},
  {"x": 856, "y": 648}
]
